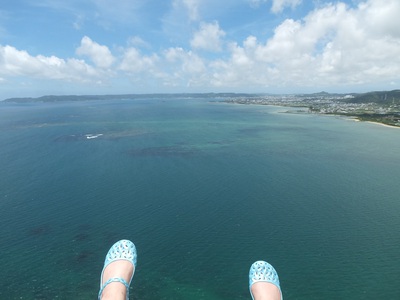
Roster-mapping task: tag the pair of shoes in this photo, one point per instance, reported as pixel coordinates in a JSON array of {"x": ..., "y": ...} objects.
[
  {"x": 261, "y": 271},
  {"x": 121, "y": 250}
]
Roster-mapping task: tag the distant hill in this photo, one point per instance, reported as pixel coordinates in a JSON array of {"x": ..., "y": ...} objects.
[
  {"x": 383, "y": 97},
  {"x": 58, "y": 98},
  {"x": 379, "y": 97},
  {"x": 322, "y": 94},
  {"x": 53, "y": 98}
]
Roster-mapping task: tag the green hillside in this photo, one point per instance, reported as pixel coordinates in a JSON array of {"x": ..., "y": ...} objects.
[{"x": 384, "y": 97}]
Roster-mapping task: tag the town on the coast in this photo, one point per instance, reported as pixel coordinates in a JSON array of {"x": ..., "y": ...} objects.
[{"x": 381, "y": 107}]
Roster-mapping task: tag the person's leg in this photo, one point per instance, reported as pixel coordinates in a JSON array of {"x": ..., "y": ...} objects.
[
  {"x": 118, "y": 270},
  {"x": 264, "y": 282}
]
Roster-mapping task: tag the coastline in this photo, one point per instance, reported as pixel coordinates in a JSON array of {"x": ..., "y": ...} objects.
[
  {"x": 355, "y": 119},
  {"x": 348, "y": 117},
  {"x": 382, "y": 124},
  {"x": 381, "y": 113}
]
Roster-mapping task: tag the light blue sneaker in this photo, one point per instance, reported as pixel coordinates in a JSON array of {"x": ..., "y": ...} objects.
[
  {"x": 121, "y": 250},
  {"x": 261, "y": 271}
]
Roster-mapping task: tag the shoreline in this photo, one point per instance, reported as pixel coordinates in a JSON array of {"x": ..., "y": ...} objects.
[
  {"x": 349, "y": 117},
  {"x": 354, "y": 118},
  {"x": 382, "y": 124}
]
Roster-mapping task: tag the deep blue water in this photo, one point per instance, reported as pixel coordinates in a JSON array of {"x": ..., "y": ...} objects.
[{"x": 203, "y": 189}]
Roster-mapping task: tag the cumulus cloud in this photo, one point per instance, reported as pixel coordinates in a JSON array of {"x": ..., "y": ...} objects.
[
  {"x": 382, "y": 17},
  {"x": 208, "y": 37},
  {"x": 134, "y": 62},
  {"x": 100, "y": 55},
  {"x": 333, "y": 45},
  {"x": 174, "y": 67},
  {"x": 14, "y": 62},
  {"x": 185, "y": 68},
  {"x": 187, "y": 61}
]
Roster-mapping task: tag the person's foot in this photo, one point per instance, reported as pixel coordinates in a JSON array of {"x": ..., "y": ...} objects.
[
  {"x": 118, "y": 270},
  {"x": 264, "y": 282}
]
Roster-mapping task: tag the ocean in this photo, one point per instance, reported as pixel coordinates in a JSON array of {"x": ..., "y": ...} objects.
[{"x": 203, "y": 189}]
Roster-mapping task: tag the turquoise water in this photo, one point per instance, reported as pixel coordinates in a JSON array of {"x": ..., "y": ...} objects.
[{"x": 203, "y": 189}]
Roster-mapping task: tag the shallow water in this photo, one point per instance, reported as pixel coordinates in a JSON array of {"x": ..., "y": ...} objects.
[{"x": 203, "y": 189}]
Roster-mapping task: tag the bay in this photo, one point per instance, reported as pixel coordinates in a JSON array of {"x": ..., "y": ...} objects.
[{"x": 203, "y": 189}]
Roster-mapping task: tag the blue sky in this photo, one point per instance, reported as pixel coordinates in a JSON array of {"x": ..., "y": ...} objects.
[{"x": 153, "y": 46}]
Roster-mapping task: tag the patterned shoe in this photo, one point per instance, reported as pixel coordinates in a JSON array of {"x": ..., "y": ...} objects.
[
  {"x": 261, "y": 271},
  {"x": 121, "y": 250}
]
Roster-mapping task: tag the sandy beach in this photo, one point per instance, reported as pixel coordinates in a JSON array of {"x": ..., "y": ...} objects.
[
  {"x": 386, "y": 125},
  {"x": 354, "y": 119}
]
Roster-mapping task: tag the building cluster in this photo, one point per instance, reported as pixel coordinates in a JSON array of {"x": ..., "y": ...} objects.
[{"x": 329, "y": 104}]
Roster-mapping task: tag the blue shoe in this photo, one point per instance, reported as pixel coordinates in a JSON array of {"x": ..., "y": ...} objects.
[
  {"x": 261, "y": 271},
  {"x": 121, "y": 250}
]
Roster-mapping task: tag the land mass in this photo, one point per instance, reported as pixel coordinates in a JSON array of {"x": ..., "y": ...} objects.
[
  {"x": 62, "y": 98},
  {"x": 379, "y": 106}
]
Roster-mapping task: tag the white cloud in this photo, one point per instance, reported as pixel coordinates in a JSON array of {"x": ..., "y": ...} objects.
[
  {"x": 134, "y": 62},
  {"x": 208, "y": 37},
  {"x": 174, "y": 54},
  {"x": 333, "y": 45},
  {"x": 100, "y": 55},
  {"x": 185, "y": 61},
  {"x": 185, "y": 68},
  {"x": 279, "y": 5},
  {"x": 14, "y": 62},
  {"x": 382, "y": 17}
]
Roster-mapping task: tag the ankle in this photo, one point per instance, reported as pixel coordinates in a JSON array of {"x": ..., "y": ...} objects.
[{"x": 114, "y": 291}]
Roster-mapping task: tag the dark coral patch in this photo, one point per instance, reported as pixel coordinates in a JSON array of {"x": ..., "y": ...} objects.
[
  {"x": 40, "y": 230},
  {"x": 167, "y": 151},
  {"x": 80, "y": 237},
  {"x": 83, "y": 256}
]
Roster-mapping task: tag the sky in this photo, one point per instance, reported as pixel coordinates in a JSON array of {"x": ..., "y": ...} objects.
[{"x": 58, "y": 47}]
